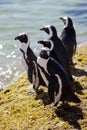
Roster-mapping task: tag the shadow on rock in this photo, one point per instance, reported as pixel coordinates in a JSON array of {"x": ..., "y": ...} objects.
[
  {"x": 71, "y": 114},
  {"x": 77, "y": 87},
  {"x": 79, "y": 72},
  {"x": 43, "y": 96}
]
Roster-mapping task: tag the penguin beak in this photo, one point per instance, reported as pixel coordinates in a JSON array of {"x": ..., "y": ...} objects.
[
  {"x": 45, "y": 29},
  {"x": 40, "y": 42},
  {"x": 42, "y": 29},
  {"x": 43, "y": 42},
  {"x": 61, "y": 18},
  {"x": 64, "y": 21},
  {"x": 16, "y": 38}
]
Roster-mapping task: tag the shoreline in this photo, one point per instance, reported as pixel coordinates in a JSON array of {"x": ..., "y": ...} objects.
[
  {"x": 15, "y": 79},
  {"x": 22, "y": 109},
  {"x": 82, "y": 44}
]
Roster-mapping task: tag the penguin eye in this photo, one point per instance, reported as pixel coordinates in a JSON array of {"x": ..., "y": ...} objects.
[
  {"x": 44, "y": 54},
  {"x": 64, "y": 21},
  {"x": 46, "y": 30},
  {"x": 49, "y": 45},
  {"x": 24, "y": 39}
]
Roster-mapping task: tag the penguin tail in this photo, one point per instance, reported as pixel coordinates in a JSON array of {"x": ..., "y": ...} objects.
[{"x": 75, "y": 99}]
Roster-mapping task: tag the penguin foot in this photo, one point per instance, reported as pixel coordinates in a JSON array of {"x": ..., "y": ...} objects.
[
  {"x": 35, "y": 89},
  {"x": 39, "y": 91},
  {"x": 55, "y": 103},
  {"x": 76, "y": 99},
  {"x": 50, "y": 105}
]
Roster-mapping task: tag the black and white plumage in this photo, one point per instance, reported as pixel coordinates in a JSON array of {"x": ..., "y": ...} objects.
[
  {"x": 49, "y": 44},
  {"x": 68, "y": 36},
  {"x": 58, "y": 47},
  {"x": 30, "y": 61},
  {"x": 59, "y": 85}
]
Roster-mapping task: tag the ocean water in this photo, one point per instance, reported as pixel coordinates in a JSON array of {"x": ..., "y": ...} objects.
[{"x": 29, "y": 16}]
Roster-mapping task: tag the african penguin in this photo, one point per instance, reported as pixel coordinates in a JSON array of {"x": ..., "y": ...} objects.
[
  {"x": 30, "y": 61},
  {"x": 59, "y": 85},
  {"x": 49, "y": 44},
  {"x": 68, "y": 37},
  {"x": 58, "y": 47}
]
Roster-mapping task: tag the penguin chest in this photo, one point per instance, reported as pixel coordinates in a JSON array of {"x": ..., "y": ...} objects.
[
  {"x": 43, "y": 63},
  {"x": 43, "y": 69},
  {"x": 57, "y": 95}
]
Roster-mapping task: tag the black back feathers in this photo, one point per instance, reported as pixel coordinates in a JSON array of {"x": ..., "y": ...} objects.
[
  {"x": 30, "y": 60},
  {"x": 59, "y": 87},
  {"x": 59, "y": 48},
  {"x": 68, "y": 37},
  {"x": 52, "y": 67}
]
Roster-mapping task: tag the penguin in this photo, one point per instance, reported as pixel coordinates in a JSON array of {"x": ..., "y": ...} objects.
[
  {"x": 58, "y": 47},
  {"x": 68, "y": 37},
  {"x": 30, "y": 61},
  {"x": 49, "y": 44},
  {"x": 59, "y": 85}
]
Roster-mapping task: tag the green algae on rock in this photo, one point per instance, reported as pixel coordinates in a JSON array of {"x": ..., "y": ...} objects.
[{"x": 22, "y": 109}]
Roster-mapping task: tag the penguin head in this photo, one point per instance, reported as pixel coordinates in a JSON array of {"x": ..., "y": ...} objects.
[
  {"x": 44, "y": 53},
  {"x": 23, "y": 38},
  {"x": 47, "y": 43},
  {"x": 50, "y": 30},
  {"x": 67, "y": 21}
]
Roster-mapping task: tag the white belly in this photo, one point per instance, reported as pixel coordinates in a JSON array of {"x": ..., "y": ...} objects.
[{"x": 43, "y": 63}]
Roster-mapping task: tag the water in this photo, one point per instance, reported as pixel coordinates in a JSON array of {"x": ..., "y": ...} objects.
[{"x": 29, "y": 16}]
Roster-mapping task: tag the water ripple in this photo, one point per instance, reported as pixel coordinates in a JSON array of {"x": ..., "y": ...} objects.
[{"x": 28, "y": 16}]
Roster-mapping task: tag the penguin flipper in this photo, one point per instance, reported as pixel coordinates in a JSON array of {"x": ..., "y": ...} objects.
[
  {"x": 56, "y": 65},
  {"x": 51, "y": 88},
  {"x": 31, "y": 70}
]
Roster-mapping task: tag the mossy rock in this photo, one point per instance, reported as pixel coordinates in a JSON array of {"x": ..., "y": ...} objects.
[{"x": 22, "y": 109}]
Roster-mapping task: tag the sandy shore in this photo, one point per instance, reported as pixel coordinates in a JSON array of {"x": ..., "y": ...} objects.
[{"x": 22, "y": 109}]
